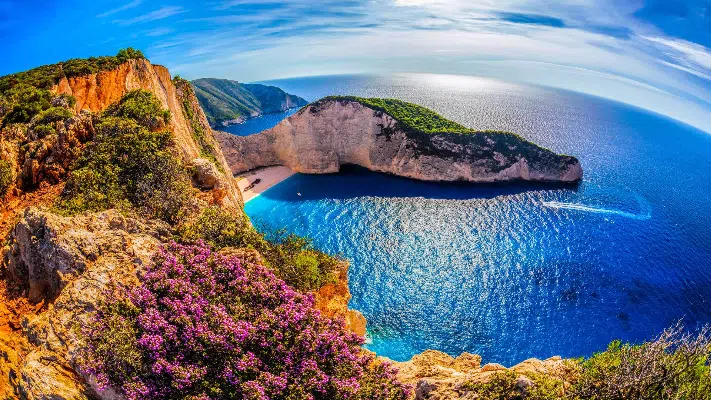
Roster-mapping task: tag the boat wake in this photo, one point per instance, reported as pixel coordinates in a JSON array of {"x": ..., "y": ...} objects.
[{"x": 644, "y": 215}]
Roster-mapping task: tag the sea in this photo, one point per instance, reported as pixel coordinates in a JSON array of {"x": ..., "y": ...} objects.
[{"x": 517, "y": 271}]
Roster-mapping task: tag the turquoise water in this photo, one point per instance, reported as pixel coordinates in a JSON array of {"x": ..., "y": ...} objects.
[{"x": 512, "y": 272}]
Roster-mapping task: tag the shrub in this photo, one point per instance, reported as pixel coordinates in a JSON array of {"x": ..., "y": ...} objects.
[
  {"x": 141, "y": 106},
  {"x": 293, "y": 258},
  {"x": 128, "y": 166},
  {"x": 503, "y": 386},
  {"x": 53, "y": 114},
  {"x": 129, "y": 53},
  {"x": 205, "y": 326},
  {"x": 5, "y": 177},
  {"x": 27, "y": 101},
  {"x": 673, "y": 366},
  {"x": 44, "y": 130}
]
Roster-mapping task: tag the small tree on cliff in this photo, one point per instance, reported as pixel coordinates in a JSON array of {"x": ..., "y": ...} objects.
[{"x": 205, "y": 326}]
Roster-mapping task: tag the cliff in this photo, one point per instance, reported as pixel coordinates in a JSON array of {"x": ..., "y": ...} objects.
[
  {"x": 438, "y": 376},
  {"x": 54, "y": 269},
  {"x": 420, "y": 145},
  {"x": 190, "y": 128},
  {"x": 65, "y": 265},
  {"x": 226, "y": 102}
]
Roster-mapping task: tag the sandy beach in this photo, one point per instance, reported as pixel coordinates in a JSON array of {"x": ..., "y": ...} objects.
[{"x": 268, "y": 176}]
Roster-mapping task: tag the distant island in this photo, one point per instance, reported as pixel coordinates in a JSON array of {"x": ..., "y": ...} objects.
[
  {"x": 229, "y": 102},
  {"x": 396, "y": 137}
]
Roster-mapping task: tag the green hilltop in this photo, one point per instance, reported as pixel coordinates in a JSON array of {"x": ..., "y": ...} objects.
[{"x": 224, "y": 100}]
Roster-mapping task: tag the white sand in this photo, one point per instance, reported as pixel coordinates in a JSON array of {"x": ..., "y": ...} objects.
[{"x": 269, "y": 176}]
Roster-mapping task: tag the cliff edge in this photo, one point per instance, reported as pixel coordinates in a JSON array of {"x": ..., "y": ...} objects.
[
  {"x": 398, "y": 138},
  {"x": 193, "y": 138}
]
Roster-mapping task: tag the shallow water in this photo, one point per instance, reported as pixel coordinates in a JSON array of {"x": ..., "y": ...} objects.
[{"x": 512, "y": 272}]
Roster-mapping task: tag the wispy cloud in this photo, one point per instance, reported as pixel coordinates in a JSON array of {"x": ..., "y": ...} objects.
[
  {"x": 685, "y": 56},
  {"x": 161, "y": 13},
  {"x": 618, "y": 49},
  {"x": 127, "y": 6}
]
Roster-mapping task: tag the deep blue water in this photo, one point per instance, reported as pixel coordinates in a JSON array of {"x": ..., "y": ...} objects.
[
  {"x": 256, "y": 125},
  {"x": 513, "y": 272}
]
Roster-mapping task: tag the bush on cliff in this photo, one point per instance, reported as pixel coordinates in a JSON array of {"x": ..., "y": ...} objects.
[
  {"x": 5, "y": 177},
  {"x": 129, "y": 166},
  {"x": 25, "y": 102},
  {"x": 506, "y": 386},
  {"x": 205, "y": 326},
  {"x": 293, "y": 258},
  {"x": 141, "y": 106},
  {"x": 676, "y": 365}
]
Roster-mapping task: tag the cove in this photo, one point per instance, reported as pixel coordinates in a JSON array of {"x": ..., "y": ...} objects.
[{"x": 512, "y": 272}]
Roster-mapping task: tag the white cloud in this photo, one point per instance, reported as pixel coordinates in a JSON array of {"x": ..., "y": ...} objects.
[
  {"x": 685, "y": 56},
  {"x": 127, "y": 6},
  {"x": 161, "y": 13}
]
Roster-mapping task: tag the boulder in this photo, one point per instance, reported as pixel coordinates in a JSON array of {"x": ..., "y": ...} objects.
[{"x": 206, "y": 175}]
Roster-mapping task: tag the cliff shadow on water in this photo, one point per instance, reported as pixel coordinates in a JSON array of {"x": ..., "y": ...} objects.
[{"x": 354, "y": 181}]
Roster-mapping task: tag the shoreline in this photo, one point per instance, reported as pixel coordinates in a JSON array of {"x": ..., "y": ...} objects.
[{"x": 268, "y": 176}]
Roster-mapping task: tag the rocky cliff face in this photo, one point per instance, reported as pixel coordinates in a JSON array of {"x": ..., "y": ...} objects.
[
  {"x": 95, "y": 92},
  {"x": 66, "y": 264},
  {"x": 438, "y": 376},
  {"x": 322, "y": 137}
]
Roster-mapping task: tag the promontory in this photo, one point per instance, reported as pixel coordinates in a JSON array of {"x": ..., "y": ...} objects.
[{"x": 395, "y": 137}]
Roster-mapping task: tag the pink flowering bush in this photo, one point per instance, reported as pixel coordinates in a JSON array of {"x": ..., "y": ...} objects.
[{"x": 205, "y": 326}]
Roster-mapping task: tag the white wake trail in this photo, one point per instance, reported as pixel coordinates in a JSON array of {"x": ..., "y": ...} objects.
[{"x": 581, "y": 207}]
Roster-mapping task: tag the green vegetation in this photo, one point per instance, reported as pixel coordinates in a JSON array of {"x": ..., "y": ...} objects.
[
  {"x": 292, "y": 258},
  {"x": 225, "y": 100},
  {"x": 24, "y": 102},
  {"x": 5, "y": 177},
  {"x": 25, "y": 94},
  {"x": 674, "y": 366},
  {"x": 46, "y": 76},
  {"x": 411, "y": 116},
  {"x": 207, "y": 149},
  {"x": 142, "y": 107},
  {"x": 504, "y": 386},
  {"x": 128, "y": 165}
]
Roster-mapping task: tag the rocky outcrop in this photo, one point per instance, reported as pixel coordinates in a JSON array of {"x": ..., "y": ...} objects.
[
  {"x": 67, "y": 263},
  {"x": 332, "y": 300},
  {"x": 97, "y": 91},
  {"x": 323, "y": 136},
  {"x": 438, "y": 376}
]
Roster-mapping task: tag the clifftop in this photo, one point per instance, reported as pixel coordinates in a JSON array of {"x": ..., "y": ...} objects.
[
  {"x": 396, "y": 137},
  {"x": 90, "y": 86},
  {"x": 226, "y": 101}
]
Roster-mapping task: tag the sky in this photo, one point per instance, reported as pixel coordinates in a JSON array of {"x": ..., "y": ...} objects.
[{"x": 654, "y": 54}]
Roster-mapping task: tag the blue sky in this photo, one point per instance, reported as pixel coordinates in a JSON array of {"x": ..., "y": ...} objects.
[{"x": 655, "y": 54}]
